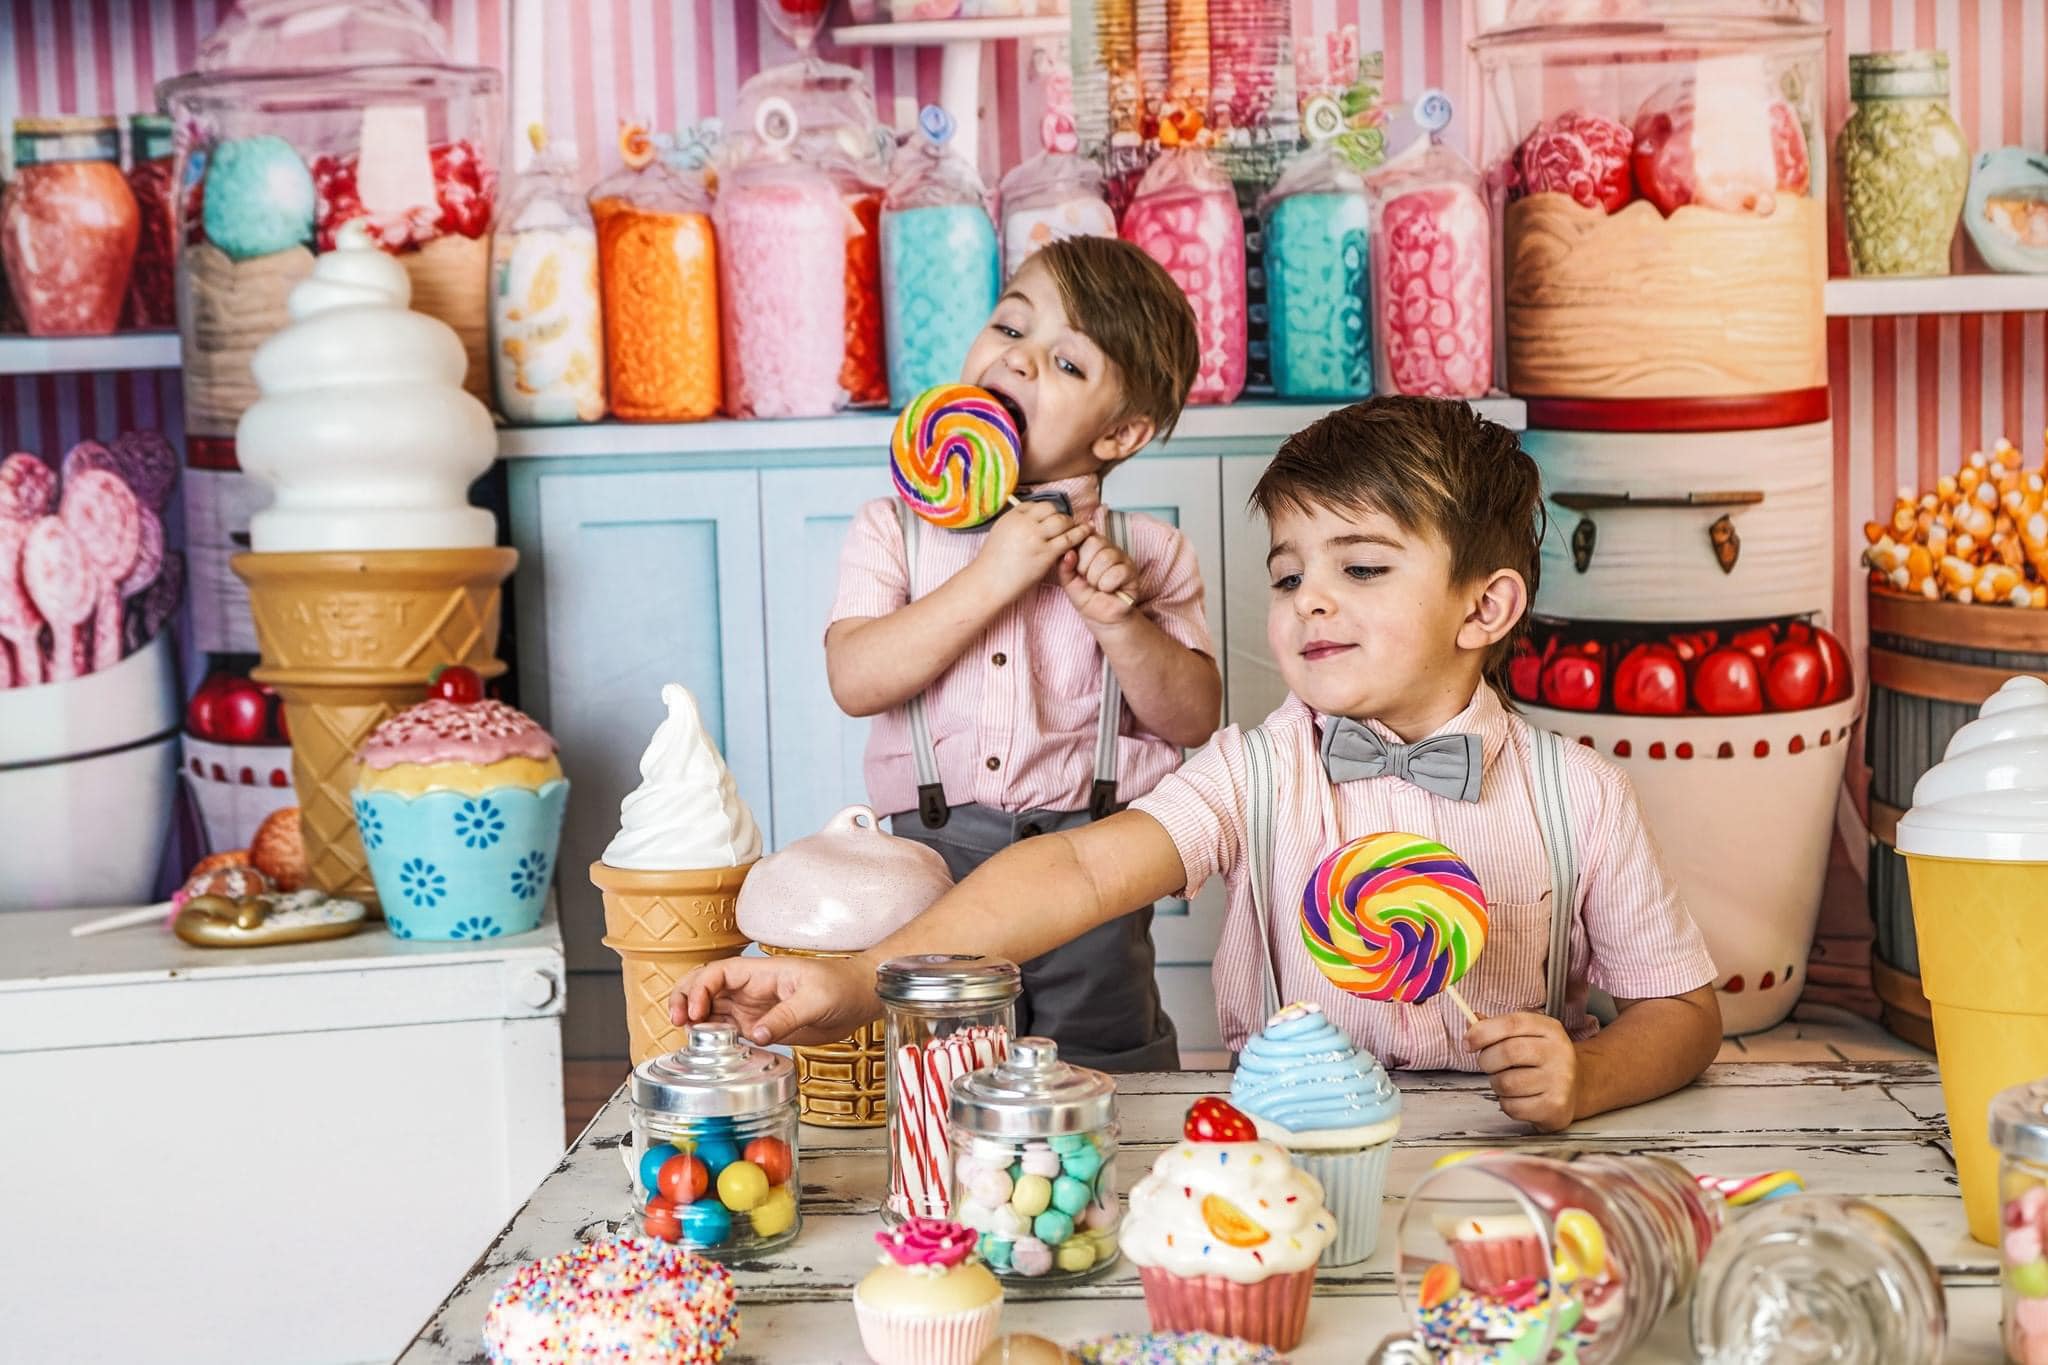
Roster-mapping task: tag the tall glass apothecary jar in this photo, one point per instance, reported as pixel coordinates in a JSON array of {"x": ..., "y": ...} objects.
[{"x": 1905, "y": 165}]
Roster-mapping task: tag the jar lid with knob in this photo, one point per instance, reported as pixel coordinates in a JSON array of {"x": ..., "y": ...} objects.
[
  {"x": 1032, "y": 1093},
  {"x": 714, "y": 1073}
]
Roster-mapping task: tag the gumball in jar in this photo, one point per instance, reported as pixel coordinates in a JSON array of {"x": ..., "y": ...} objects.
[
  {"x": 68, "y": 226},
  {"x": 1185, "y": 216},
  {"x": 782, "y": 232},
  {"x": 1432, "y": 268},
  {"x": 939, "y": 267}
]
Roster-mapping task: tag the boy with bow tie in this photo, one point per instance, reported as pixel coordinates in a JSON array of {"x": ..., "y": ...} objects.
[{"x": 1404, "y": 539}]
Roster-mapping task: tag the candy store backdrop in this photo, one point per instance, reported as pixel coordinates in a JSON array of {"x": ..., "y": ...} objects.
[{"x": 1911, "y": 395}]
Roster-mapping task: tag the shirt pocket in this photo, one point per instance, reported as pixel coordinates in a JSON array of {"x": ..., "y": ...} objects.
[
  {"x": 1509, "y": 976},
  {"x": 1066, "y": 663}
]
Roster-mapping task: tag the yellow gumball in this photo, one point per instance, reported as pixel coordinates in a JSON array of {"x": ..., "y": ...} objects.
[
  {"x": 774, "y": 1214},
  {"x": 742, "y": 1185}
]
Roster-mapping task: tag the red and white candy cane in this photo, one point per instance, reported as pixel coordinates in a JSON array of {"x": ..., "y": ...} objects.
[{"x": 919, "y": 1174}]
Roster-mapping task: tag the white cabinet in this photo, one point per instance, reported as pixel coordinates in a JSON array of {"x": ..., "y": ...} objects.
[{"x": 271, "y": 1154}]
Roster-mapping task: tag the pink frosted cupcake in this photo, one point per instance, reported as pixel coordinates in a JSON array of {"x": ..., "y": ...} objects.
[
  {"x": 1225, "y": 1232},
  {"x": 929, "y": 1302}
]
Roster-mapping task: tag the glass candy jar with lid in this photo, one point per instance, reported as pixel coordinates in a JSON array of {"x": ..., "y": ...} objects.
[
  {"x": 2019, "y": 1130},
  {"x": 68, "y": 225},
  {"x": 1034, "y": 1164},
  {"x": 714, "y": 1123},
  {"x": 947, "y": 1015},
  {"x": 1905, "y": 165}
]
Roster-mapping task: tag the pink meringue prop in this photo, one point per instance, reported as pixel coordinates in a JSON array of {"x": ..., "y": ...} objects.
[{"x": 1185, "y": 216}]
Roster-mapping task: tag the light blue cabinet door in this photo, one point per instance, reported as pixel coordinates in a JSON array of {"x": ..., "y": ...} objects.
[
  {"x": 646, "y": 578},
  {"x": 814, "y": 749},
  {"x": 1253, "y": 687}
]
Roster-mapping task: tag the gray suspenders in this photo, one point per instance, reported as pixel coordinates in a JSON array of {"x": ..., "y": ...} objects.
[
  {"x": 1553, "y": 817},
  {"x": 931, "y": 792}
]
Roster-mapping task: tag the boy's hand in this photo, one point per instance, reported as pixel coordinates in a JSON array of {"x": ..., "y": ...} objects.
[
  {"x": 1534, "y": 1067},
  {"x": 1099, "y": 580},
  {"x": 779, "y": 999},
  {"x": 1024, "y": 545}
]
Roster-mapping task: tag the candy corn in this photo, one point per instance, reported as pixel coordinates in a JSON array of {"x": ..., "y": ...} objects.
[{"x": 1980, "y": 536}]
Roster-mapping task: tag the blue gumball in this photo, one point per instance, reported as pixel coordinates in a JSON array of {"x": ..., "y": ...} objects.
[
  {"x": 259, "y": 197},
  {"x": 650, "y": 1166},
  {"x": 706, "y": 1222},
  {"x": 717, "y": 1153}
]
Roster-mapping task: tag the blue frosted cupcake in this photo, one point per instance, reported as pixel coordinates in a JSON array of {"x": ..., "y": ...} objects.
[{"x": 1332, "y": 1107}]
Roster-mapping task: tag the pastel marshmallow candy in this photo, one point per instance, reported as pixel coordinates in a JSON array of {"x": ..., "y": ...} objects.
[
  {"x": 990, "y": 1188},
  {"x": 1040, "y": 1159},
  {"x": 990, "y": 1153},
  {"x": 1033, "y": 1257},
  {"x": 1071, "y": 1196},
  {"x": 1076, "y": 1254},
  {"x": 1032, "y": 1195},
  {"x": 1100, "y": 1217},
  {"x": 1009, "y": 1224}
]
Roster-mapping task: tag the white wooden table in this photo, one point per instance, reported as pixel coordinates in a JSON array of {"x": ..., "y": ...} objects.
[
  {"x": 268, "y": 1154},
  {"x": 1871, "y": 1129}
]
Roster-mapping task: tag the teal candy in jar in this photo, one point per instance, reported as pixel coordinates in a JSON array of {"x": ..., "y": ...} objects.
[
  {"x": 459, "y": 801},
  {"x": 940, "y": 270}
]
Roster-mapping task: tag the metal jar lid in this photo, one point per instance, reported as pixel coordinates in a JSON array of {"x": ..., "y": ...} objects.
[
  {"x": 2019, "y": 1121},
  {"x": 1921, "y": 74},
  {"x": 714, "y": 1073},
  {"x": 1032, "y": 1093},
  {"x": 948, "y": 979}
]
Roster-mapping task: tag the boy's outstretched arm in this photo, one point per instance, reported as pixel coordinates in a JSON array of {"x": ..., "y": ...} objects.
[
  {"x": 1653, "y": 1047},
  {"x": 1026, "y": 900},
  {"x": 876, "y": 662}
]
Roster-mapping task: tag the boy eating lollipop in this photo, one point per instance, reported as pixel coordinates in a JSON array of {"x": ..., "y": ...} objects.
[
  {"x": 1404, "y": 535},
  {"x": 1029, "y": 675}
]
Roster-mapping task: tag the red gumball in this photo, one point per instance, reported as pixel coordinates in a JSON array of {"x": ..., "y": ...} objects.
[
  {"x": 1574, "y": 679},
  {"x": 241, "y": 712},
  {"x": 661, "y": 1221},
  {"x": 1727, "y": 683},
  {"x": 1794, "y": 677},
  {"x": 1650, "y": 681},
  {"x": 456, "y": 683},
  {"x": 683, "y": 1179},
  {"x": 1211, "y": 1119},
  {"x": 1838, "y": 680},
  {"x": 771, "y": 1154},
  {"x": 1580, "y": 154}
]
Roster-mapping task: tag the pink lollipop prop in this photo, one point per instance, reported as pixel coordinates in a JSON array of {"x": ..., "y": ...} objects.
[
  {"x": 104, "y": 516},
  {"x": 20, "y": 623},
  {"x": 28, "y": 487},
  {"x": 61, "y": 583}
]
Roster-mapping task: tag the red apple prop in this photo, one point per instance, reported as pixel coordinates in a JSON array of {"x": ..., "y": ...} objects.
[
  {"x": 242, "y": 712},
  {"x": 1794, "y": 677},
  {"x": 1525, "y": 671},
  {"x": 1757, "y": 641},
  {"x": 202, "y": 713},
  {"x": 1727, "y": 683},
  {"x": 1572, "y": 681},
  {"x": 1650, "y": 681},
  {"x": 1838, "y": 680}
]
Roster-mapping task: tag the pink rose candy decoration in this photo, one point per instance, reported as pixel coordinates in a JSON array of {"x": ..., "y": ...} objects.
[{"x": 928, "y": 1241}]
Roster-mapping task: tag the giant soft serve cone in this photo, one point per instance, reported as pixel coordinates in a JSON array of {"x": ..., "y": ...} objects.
[
  {"x": 349, "y": 639},
  {"x": 1976, "y": 847},
  {"x": 370, "y": 568},
  {"x": 671, "y": 879}
]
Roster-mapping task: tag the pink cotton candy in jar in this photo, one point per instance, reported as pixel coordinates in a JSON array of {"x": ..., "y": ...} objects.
[
  {"x": 1432, "y": 289},
  {"x": 1185, "y": 217},
  {"x": 781, "y": 265}
]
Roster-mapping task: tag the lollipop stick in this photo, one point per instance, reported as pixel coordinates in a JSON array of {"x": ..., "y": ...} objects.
[
  {"x": 1459, "y": 1001},
  {"x": 1124, "y": 597}
]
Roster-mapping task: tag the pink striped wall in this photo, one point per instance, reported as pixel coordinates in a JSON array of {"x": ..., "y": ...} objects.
[{"x": 1912, "y": 395}]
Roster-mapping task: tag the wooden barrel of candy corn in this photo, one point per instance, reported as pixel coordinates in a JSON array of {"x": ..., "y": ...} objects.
[{"x": 1932, "y": 664}]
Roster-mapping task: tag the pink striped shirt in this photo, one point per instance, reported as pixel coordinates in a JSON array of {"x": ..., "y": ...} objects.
[
  {"x": 1013, "y": 720},
  {"x": 1631, "y": 934}
]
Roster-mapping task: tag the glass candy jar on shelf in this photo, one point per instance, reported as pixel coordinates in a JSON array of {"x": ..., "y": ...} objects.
[
  {"x": 68, "y": 226},
  {"x": 946, "y": 1016},
  {"x": 715, "y": 1126},
  {"x": 152, "y": 171},
  {"x": 1318, "y": 284},
  {"x": 1658, "y": 194},
  {"x": 658, "y": 267},
  {"x": 1905, "y": 166},
  {"x": 1185, "y": 216},
  {"x": 939, "y": 262},
  {"x": 1053, "y": 195},
  {"x": 547, "y": 324},
  {"x": 1034, "y": 1164},
  {"x": 1526, "y": 1254},
  {"x": 278, "y": 144},
  {"x": 1432, "y": 258}
]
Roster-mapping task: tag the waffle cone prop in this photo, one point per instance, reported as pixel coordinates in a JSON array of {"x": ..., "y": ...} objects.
[
  {"x": 663, "y": 925},
  {"x": 843, "y": 1084}
]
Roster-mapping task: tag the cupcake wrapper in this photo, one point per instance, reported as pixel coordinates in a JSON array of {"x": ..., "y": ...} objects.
[
  {"x": 1354, "y": 1183},
  {"x": 893, "y": 1337},
  {"x": 1272, "y": 1312},
  {"x": 1485, "y": 1264}
]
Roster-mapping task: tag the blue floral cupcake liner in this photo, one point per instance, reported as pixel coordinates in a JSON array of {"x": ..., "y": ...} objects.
[{"x": 452, "y": 865}]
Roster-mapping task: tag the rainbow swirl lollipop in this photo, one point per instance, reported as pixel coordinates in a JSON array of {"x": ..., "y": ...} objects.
[
  {"x": 955, "y": 456},
  {"x": 1393, "y": 917}
]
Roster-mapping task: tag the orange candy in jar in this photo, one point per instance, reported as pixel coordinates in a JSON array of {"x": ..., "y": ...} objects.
[
  {"x": 658, "y": 271},
  {"x": 68, "y": 226},
  {"x": 865, "y": 375}
]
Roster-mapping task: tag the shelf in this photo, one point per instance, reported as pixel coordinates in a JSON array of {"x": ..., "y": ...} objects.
[
  {"x": 856, "y": 436},
  {"x": 72, "y": 355},
  {"x": 935, "y": 32},
  {"x": 1910, "y": 296}
]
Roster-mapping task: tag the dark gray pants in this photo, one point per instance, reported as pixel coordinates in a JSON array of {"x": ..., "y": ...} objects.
[{"x": 1096, "y": 996}]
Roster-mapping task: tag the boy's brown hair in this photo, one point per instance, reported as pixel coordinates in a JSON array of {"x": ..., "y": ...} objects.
[
  {"x": 1125, "y": 302},
  {"x": 1428, "y": 464}
]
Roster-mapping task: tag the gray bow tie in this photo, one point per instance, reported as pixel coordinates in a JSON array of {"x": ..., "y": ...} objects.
[{"x": 1446, "y": 765}]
